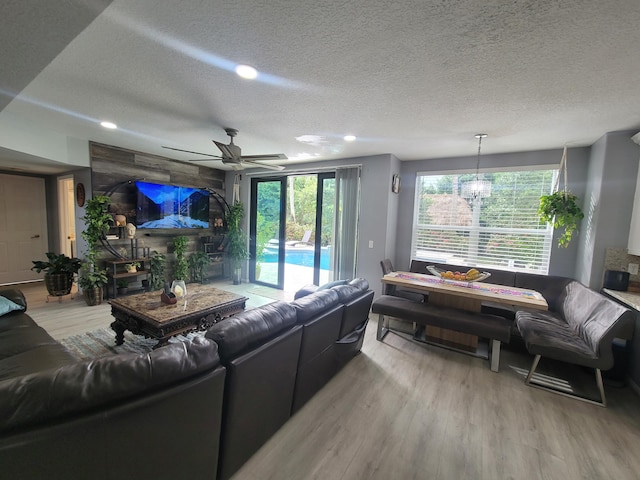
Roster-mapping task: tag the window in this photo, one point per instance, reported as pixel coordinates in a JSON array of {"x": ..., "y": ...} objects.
[{"x": 500, "y": 229}]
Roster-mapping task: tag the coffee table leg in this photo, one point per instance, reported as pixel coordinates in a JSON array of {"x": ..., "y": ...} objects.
[{"x": 119, "y": 329}]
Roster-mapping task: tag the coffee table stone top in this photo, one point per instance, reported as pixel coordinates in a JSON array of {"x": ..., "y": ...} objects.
[{"x": 199, "y": 299}]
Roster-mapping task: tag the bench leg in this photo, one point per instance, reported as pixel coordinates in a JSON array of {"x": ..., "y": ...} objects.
[
  {"x": 382, "y": 330},
  {"x": 495, "y": 355},
  {"x": 547, "y": 387}
]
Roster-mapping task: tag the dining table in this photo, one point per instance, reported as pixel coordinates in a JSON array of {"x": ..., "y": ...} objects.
[{"x": 464, "y": 295}]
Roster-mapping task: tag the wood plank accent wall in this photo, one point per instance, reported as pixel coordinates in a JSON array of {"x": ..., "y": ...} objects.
[{"x": 114, "y": 166}]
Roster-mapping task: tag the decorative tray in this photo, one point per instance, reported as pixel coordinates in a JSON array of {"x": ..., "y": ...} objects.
[{"x": 472, "y": 275}]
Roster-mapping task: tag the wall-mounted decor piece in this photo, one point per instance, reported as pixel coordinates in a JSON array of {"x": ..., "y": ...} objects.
[
  {"x": 80, "y": 195},
  {"x": 395, "y": 183}
]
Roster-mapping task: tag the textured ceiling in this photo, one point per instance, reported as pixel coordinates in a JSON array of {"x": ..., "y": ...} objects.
[{"x": 416, "y": 79}]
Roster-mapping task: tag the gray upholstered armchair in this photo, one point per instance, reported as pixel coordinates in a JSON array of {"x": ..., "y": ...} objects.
[{"x": 580, "y": 332}]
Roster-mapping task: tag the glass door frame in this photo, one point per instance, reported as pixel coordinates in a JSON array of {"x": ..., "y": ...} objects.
[
  {"x": 321, "y": 177},
  {"x": 281, "y": 229}
]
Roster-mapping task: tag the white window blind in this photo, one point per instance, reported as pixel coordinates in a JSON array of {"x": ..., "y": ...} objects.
[{"x": 502, "y": 230}]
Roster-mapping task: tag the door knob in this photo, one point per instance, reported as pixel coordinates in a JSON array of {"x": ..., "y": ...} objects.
[{"x": 35, "y": 236}]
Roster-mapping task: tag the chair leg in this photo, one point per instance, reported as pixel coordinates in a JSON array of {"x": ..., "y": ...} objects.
[
  {"x": 495, "y": 355},
  {"x": 600, "y": 386},
  {"x": 533, "y": 383},
  {"x": 532, "y": 369},
  {"x": 382, "y": 330}
]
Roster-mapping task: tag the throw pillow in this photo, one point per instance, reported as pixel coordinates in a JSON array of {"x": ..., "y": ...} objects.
[{"x": 7, "y": 306}]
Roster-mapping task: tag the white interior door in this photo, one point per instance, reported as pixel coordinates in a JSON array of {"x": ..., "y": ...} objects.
[{"x": 23, "y": 227}]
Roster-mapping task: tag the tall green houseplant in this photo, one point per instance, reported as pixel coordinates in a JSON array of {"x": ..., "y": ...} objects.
[
  {"x": 181, "y": 268},
  {"x": 237, "y": 241},
  {"x": 97, "y": 220}
]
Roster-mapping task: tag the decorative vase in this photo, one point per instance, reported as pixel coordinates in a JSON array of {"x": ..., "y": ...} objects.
[{"x": 179, "y": 288}]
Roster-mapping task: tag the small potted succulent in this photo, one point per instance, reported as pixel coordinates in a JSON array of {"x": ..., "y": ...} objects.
[{"x": 132, "y": 267}]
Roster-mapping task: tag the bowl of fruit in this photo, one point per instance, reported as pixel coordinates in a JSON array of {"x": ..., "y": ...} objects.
[{"x": 471, "y": 275}]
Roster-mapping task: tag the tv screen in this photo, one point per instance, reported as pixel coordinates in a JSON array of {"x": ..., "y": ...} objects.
[{"x": 171, "y": 206}]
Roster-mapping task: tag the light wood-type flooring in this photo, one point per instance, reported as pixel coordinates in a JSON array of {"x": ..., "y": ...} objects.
[{"x": 403, "y": 410}]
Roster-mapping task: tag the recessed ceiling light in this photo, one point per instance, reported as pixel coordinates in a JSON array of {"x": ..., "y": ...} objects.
[
  {"x": 349, "y": 138},
  {"x": 109, "y": 125},
  {"x": 245, "y": 71}
]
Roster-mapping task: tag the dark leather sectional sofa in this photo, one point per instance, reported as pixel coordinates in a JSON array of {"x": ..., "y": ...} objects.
[{"x": 195, "y": 409}]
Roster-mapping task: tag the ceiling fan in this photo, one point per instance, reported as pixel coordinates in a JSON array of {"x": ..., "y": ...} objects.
[{"x": 232, "y": 155}]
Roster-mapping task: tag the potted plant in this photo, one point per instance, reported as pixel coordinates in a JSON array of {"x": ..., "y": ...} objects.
[
  {"x": 237, "y": 241},
  {"x": 198, "y": 261},
  {"x": 97, "y": 221},
  {"x": 157, "y": 263},
  {"x": 561, "y": 209},
  {"x": 59, "y": 271},
  {"x": 132, "y": 267},
  {"x": 123, "y": 286},
  {"x": 181, "y": 267}
]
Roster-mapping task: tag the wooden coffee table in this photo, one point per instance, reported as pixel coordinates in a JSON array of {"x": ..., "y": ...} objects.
[{"x": 144, "y": 313}]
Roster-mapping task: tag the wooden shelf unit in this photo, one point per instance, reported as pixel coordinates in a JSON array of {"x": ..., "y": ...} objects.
[{"x": 116, "y": 271}]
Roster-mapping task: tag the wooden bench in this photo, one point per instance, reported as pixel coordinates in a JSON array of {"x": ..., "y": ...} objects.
[{"x": 493, "y": 327}]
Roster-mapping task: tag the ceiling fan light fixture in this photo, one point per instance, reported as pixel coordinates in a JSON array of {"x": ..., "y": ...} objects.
[{"x": 246, "y": 71}]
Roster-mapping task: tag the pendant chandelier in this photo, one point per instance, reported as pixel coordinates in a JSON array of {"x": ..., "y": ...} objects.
[{"x": 479, "y": 187}]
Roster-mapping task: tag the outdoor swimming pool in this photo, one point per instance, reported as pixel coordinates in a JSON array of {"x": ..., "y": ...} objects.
[{"x": 300, "y": 256}]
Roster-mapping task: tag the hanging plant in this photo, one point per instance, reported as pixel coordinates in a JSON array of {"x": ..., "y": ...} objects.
[{"x": 561, "y": 209}]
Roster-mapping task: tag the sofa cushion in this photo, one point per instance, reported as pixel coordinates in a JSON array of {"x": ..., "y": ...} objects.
[
  {"x": 309, "y": 306},
  {"x": 82, "y": 386},
  {"x": 551, "y": 287},
  {"x": 251, "y": 328},
  {"x": 335, "y": 283},
  {"x": 20, "y": 339},
  {"x": 552, "y": 337},
  {"x": 352, "y": 290}
]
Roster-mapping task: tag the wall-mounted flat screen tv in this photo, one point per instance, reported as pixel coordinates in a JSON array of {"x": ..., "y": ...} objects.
[{"x": 171, "y": 206}]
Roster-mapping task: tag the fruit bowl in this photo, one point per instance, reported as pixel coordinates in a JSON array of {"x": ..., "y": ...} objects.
[{"x": 459, "y": 276}]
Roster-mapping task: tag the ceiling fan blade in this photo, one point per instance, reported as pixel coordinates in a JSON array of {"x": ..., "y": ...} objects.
[
  {"x": 275, "y": 156},
  {"x": 195, "y": 153},
  {"x": 277, "y": 168}
]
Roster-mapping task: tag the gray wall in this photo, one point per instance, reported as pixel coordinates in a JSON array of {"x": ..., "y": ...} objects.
[{"x": 611, "y": 184}]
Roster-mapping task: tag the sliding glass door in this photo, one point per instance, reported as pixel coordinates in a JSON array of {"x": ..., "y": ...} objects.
[
  {"x": 267, "y": 228},
  {"x": 291, "y": 227}
]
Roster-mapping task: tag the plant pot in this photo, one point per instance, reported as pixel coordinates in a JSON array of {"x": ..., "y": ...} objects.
[
  {"x": 237, "y": 276},
  {"x": 123, "y": 290},
  {"x": 93, "y": 296},
  {"x": 58, "y": 284},
  {"x": 131, "y": 269},
  {"x": 146, "y": 285}
]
